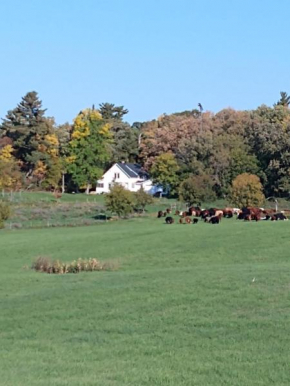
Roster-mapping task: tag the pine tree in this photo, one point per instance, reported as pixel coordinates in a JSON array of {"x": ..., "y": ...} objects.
[
  {"x": 110, "y": 111},
  {"x": 27, "y": 127}
]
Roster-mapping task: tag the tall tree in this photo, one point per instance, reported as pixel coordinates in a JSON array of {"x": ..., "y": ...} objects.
[
  {"x": 284, "y": 99},
  {"x": 22, "y": 124},
  {"x": 35, "y": 145},
  {"x": 63, "y": 133},
  {"x": 89, "y": 149},
  {"x": 164, "y": 171},
  {"x": 110, "y": 111},
  {"x": 124, "y": 137}
]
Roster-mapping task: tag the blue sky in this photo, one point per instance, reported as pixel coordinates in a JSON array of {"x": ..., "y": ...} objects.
[{"x": 152, "y": 56}]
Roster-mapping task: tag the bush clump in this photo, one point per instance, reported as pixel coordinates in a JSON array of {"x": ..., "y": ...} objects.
[
  {"x": 45, "y": 264},
  {"x": 5, "y": 213}
]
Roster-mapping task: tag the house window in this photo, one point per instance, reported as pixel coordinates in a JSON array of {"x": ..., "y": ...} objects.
[
  {"x": 133, "y": 186},
  {"x": 100, "y": 185},
  {"x": 117, "y": 175}
]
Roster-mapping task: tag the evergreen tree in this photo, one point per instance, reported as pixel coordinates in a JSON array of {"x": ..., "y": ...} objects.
[
  {"x": 110, "y": 111},
  {"x": 124, "y": 137},
  {"x": 32, "y": 135},
  {"x": 284, "y": 99}
]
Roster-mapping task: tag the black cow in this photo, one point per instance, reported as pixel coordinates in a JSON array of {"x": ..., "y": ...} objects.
[
  {"x": 169, "y": 220},
  {"x": 278, "y": 216},
  {"x": 215, "y": 220},
  {"x": 195, "y": 221}
]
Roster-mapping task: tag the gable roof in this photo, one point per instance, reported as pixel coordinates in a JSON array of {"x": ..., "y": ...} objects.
[{"x": 132, "y": 170}]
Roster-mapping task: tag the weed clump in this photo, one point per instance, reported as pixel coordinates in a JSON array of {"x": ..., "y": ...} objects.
[{"x": 45, "y": 264}]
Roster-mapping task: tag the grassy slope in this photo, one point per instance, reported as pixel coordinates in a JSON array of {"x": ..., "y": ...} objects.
[{"x": 182, "y": 310}]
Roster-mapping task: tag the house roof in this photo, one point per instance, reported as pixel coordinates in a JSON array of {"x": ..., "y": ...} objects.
[{"x": 132, "y": 170}]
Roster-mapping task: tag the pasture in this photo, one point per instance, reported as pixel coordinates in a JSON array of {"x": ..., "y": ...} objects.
[{"x": 190, "y": 305}]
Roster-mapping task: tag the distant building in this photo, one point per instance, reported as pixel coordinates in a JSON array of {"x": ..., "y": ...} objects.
[{"x": 131, "y": 176}]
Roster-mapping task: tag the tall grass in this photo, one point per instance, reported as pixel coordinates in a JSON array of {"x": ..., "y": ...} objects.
[{"x": 45, "y": 264}]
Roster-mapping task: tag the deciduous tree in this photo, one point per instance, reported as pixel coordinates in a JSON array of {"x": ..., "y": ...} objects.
[
  {"x": 89, "y": 148},
  {"x": 197, "y": 189},
  {"x": 164, "y": 171},
  {"x": 247, "y": 190}
]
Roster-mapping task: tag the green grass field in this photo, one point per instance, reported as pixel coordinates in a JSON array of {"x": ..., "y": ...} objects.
[{"x": 182, "y": 309}]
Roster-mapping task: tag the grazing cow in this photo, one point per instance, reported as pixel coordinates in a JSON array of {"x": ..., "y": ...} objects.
[
  {"x": 241, "y": 216},
  {"x": 168, "y": 210},
  {"x": 204, "y": 214},
  {"x": 228, "y": 212},
  {"x": 278, "y": 216},
  {"x": 256, "y": 217},
  {"x": 215, "y": 220},
  {"x": 181, "y": 220},
  {"x": 164, "y": 214},
  {"x": 169, "y": 220},
  {"x": 177, "y": 213},
  {"x": 195, "y": 221},
  {"x": 212, "y": 211},
  {"x": 159, "y": 214},
  {"x": 187, "y": 220},
  {"x": 192, "y": 211}
]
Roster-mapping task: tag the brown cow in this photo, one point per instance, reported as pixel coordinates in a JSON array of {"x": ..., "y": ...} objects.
[
  {"x": 159, "y": 214},
  {"x": 187, "y": 220}
]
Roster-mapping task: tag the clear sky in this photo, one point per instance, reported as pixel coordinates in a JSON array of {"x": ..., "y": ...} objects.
[{"x": 152, "y": 56}]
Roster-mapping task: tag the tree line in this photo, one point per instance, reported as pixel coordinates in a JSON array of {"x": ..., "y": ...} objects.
[{"x": 194, "y": 147}]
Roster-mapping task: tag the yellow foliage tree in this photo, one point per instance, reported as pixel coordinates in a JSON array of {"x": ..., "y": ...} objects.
[
  {"x": 10, "y": 176},
  {"x": 6, "y": 153},
  {"x": 247, "y": 190},
  {"x": 89, "y": 148}
]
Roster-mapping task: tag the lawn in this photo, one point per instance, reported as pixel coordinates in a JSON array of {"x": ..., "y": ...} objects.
[{"x": 190, "y": 305}]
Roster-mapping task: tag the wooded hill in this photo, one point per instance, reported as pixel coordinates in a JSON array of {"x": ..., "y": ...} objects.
[{"x": 36, "y": 153}]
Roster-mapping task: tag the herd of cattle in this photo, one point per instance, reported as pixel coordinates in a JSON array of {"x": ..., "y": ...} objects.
[{"x": 214, "y": 215}]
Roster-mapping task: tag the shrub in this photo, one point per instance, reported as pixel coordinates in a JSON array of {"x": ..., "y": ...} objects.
[
  {"x": 5, "y": 213},
  {"x": 247, "y": 190},
  {"x": 120, "y": 200},
  {"x": 45, "y": 264},
  {"x": 142, "y": 199}
]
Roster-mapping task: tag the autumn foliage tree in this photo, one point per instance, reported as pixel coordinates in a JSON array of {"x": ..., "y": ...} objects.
[
  {"x": 247, "y": 190},
  {"x": 89, "y": 149},
  {"x": 10, "y": 176},
  {"x": 164, "y": 171},
  {"x": 32, "y": 136}
]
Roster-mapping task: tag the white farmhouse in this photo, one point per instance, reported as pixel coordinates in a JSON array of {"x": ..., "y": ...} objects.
[{"x": 131, "y": 176}]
